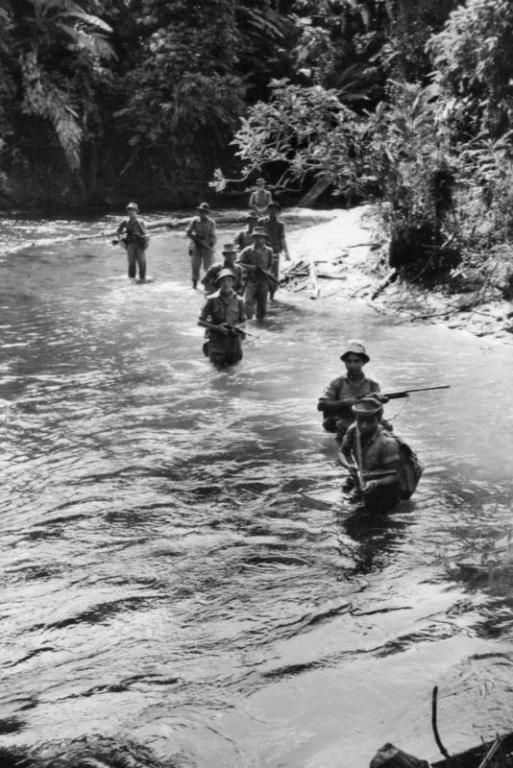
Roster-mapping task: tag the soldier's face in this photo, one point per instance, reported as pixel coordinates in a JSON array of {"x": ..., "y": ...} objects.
[
  {"x": 367, "y": 423},
  {"x": 226, "y": 285},
  {"x": 354, "y": 364}
]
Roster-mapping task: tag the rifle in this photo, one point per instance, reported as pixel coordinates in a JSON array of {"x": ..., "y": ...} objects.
[
  {"x": 197, "y": 240},
  {"x": 374, "y": 475},
  {"x": 233, "y": 328},
  {"x": 395, "y": 395},
  {"x": 266, "y": 272},
  {"x": 338, "y": 406},
  {"x": 357, "y": 450}
]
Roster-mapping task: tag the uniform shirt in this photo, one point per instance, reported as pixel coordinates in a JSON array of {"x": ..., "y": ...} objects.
[
  {"x": 205, "y": 229},
  {"x": 243, "y": 239},
  {"x": 135, "y": 231},
  {"x": 343, "y": 387},
  {"x": 262, "y": 257},
  {"x": 380, "y": 451},
  {"x": 210, "y": 276},
  {"x": 275, "y": 233},
  {"x": 223, "y": 309}
]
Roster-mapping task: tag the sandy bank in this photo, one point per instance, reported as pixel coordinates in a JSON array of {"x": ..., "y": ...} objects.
[{"x": 350, "y": 249}]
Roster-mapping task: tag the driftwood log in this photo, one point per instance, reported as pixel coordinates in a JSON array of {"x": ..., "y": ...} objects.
[{"x": 392, "y": 757}]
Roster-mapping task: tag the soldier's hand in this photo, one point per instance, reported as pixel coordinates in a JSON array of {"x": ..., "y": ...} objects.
[
  {"x": 223, "y": 328},
  {"x": 371, "y": 486},
  {"x": 382, "y": 398}
]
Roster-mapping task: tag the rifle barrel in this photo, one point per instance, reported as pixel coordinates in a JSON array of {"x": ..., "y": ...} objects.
[{"x": 406, "y": 392}]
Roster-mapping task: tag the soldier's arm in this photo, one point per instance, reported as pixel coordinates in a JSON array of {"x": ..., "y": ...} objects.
[
  {"x": 205, "y": 322},
  {"x": 191, "y": 229},
  {"x": 330, "y": 401}
]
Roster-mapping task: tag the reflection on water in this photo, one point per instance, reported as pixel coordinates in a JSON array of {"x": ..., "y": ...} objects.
[{"x": 180, "y": 570}]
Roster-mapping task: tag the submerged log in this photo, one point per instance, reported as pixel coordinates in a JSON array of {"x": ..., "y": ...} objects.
[{"x": 390, "y": 756}]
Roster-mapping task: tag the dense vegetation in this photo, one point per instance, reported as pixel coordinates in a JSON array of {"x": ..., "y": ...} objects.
[{"x": 402, "y": 101}]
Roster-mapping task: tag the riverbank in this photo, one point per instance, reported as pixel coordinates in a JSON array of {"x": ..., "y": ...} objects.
[{"x": 351, "y": 257}]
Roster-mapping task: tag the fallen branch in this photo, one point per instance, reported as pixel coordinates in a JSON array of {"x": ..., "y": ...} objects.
[{"x": 390, "y": 278}]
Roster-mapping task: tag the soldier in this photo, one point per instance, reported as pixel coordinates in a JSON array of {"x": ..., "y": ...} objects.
[
  {"x": 257, "y": 260},
  {"x": 260, "y": 198},
  {"x": 244, "y": 237},
  {"x": 202, "y": 232},
  {"x": 132, "y": 233},
  {"x": 222, "y": 316},
  {"x": 210, "y": 277},
  {"x": 275, "y": 238},
  {"x": 343, "y": 392},
  {"x": 376, "y": 456}
]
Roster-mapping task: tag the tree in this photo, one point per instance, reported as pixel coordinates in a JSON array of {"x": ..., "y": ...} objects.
[
  {"x": 474, "y": 67},
  {"x": 61, "y": 46}
]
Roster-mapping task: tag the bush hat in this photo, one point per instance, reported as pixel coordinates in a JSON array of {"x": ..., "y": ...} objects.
[
  {"x": 203, "y": 207},
  {"x": 259, "y": 232},
  {"x": 252, "y": 216},
  {"x": 229, "y": 248},
  {"x": 132, "y": 206},
  {"x": 274, "y": 204},
  {"x": 368, "y": 406},
  {"x": 225, "y": 273},
  {"x": 355, "y": 348}
]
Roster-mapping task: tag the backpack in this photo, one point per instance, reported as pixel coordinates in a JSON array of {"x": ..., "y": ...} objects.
[{"x": 410, "y": 469}]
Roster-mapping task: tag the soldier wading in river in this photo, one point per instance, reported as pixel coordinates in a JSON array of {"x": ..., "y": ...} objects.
[
  {"x": 372, "y": 451},
  {"x": 343, "y": 392},
  {"x": 257, "y": 261},
  {"x": 222, "y": 316},
  {"x": 202, "y": 232},
  {"x": 132, "y": 234},
  {"x": 212, "y": 273},
  {"x": 275, "y": 229},
  {"x": 244, "y": 237}
]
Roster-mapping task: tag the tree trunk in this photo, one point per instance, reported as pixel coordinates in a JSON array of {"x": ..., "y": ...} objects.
[{"x": 320, "y": 186}]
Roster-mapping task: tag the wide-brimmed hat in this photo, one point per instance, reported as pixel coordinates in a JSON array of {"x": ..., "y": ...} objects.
[
  {"x": 225, "y": 273},
  {"x": 203, "y": 207},
  {"x": 133, "y": 206},
  {"x": 274, "y": 204},
  {"x": 368, "y": 406},
  {"x": 259, "y": 231},
  {"x": 229, "y": 248},
  {"x": 355, "y": 348},
  {"x": 252, "y": 216}
]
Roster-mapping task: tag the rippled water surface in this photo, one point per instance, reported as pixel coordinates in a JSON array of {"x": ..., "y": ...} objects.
[{"x": 179, "y": 567}]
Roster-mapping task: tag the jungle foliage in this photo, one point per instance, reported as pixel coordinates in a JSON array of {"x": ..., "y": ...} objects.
[{"x": 401, "y": 101}]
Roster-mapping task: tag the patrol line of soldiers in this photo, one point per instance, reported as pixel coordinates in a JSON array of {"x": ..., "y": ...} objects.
[
  {"x": 238, "y": 287},
  {"x": 382, "y": 468},
  {"x": 255, "y": 275}
]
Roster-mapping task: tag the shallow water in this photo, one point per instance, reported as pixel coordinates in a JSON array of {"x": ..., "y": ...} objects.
[{"x": 179, "y": 565}]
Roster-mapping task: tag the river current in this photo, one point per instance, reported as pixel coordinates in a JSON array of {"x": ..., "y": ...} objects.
[{"x": 180, "y": 570}]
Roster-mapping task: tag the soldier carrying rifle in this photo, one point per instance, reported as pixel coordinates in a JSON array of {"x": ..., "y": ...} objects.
[
  {"x": 132, "y": 235},
  {"x": 202, "y": 233},
  {"x": 257, "y": 261},
  {"x": 222, "y": 316},
  {"x": 343, "y": 392}
]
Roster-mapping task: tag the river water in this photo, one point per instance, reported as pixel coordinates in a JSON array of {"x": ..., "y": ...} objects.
[{"x": 179, "y": 568}]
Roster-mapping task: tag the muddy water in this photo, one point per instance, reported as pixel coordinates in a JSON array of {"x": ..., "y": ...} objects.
[{"x": 178, "y": 565}]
